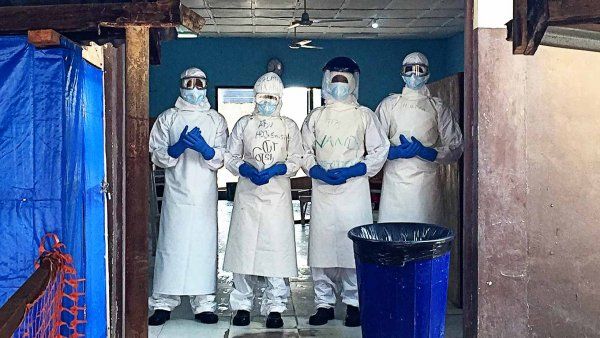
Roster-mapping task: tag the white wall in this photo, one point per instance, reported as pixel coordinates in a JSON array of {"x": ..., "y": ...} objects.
[{"x": 492, "y": 13}]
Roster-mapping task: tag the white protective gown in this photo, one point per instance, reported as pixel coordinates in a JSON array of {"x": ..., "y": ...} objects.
[
  {"x": 340, "y": 134},
  {"x": 261, "y": 235},
  {"x": 411, "y": 189},
  {"x": 186, "y": 255}
]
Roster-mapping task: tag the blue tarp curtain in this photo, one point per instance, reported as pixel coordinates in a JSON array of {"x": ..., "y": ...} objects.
[{"x": 52, "y": 166}]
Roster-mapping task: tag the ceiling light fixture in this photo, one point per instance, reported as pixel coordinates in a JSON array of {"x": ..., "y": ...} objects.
[
  {"x": 374, "y": 23},
  {"x": 184, "y": 33}
]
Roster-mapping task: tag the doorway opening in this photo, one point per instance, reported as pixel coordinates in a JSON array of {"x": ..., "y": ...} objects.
[{"x": 444, "y": 24}]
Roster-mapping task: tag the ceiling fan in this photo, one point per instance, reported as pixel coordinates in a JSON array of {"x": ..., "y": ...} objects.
[
  {"x": 305, "y": 20},
  {"x": 297, "y": 44}
]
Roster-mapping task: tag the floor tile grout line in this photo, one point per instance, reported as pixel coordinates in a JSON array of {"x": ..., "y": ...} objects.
[
  {"x": 294, "y": 306},
  {"x": 162, "y": 327}
]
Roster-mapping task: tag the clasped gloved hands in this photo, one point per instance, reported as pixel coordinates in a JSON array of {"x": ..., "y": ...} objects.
[
  {"x": 180, "y": 146},
  {"x": 248, "y": 171},
  {"x": 192, "y": 140},
  {"x": 198, "y": 143},
  {"x": 337, "y": 176},
  {"x": 359, "y": 169},
  {"x": 275, "y": 170},
  {"x": 408, "y": 149},
  {"x": 262, "y": 177},
  {"x": 319, "y": 173}
]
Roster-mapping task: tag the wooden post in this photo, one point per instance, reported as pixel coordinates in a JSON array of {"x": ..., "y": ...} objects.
[
  {"x": 114, "y": 106},
  {"x": 470, "y": 174},
  {"x": 137, "y": 58}
]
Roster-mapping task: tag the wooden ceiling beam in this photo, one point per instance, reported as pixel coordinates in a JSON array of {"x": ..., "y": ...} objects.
[
  {"x": 531, "y": 18},
  {"x": 90, "y": 17},
  {"x": 573, "y": 12}
]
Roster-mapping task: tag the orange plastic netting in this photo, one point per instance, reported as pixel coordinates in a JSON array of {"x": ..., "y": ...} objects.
[{"x": 58, "y": 311}]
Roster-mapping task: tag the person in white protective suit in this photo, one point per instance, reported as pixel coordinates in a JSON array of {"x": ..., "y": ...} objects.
[
  {"x": 265, "y": 150},
  {"x": 189, "y": 141},
  {"x": 424, "y": 134},
  {"x": 344, "y": 145}
]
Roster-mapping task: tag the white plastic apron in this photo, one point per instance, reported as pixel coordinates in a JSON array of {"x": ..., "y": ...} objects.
[
  {"x": 340, "y": 142},
  {"x": 261, "y": 235},
  {"x": 411, "y": 187},
  {"x": 186, "y": 254}
]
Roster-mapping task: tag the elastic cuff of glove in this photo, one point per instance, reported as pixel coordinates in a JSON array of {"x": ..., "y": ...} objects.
[
  {"x": 209, "y": 154},
  {"x": 362, "y": 167},
  {"x": 173, "y": 153},
  {"x": 313, "y": 171},
  {"x": 429, "y": 154},
  {"x": 242, "y": 170},
  {"x": 284, "y": 169}
]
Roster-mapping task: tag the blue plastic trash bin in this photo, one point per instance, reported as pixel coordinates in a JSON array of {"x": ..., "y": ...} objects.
[{"x": 402, "y": 271}]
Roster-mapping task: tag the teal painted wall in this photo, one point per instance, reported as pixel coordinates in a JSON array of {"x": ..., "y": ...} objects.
[
  {"x": 455, "y": 54},
  {"x": 240, "y": 61}
]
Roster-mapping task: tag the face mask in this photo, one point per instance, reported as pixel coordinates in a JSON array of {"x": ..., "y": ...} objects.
[
  {"x": 193, "y": 96},
  {"x": 415, "y": 82},
  {"x": 340, "y": 90},
  {"x": 267, "y": 107}
]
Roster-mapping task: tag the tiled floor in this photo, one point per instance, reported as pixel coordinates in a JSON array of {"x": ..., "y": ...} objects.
[{"x": 182, "y": 324}]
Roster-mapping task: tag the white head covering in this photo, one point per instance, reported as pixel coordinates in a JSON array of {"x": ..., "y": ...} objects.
[
  {"x": 192, "y": 72},
  {"x": 352, "y": 82},
  {"x": 203, "y": 105},
  {"x": 269, "y": 83},
  {"x": 415, "y": 58}
]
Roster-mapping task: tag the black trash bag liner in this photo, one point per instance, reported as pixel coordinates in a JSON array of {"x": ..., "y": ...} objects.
[{"x": 399, "y": 243}]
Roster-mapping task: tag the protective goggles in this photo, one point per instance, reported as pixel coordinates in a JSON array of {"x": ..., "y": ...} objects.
[
  {"x": 416, "y": 69},
  {"x": 260, "y": 98},
  {"x": 193, "y": 82}
]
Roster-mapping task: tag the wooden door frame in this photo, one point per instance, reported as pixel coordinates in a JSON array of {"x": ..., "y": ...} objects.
[
  {"x": 115, "y": 133},
  {"x": 114, "y": 108},
  {"x": 470, "y": 221}
]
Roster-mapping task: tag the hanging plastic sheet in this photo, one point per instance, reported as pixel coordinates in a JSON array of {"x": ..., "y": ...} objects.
[
  {"x": 51, "y": 164},
  {"x": 94, "y": 231}
]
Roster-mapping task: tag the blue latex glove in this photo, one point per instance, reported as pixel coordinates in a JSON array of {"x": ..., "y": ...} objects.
[
  {"x": 198, "y": 143},
  {"x": 405, "y": 150},
  {"x": 180, "y": 146},
  {"x": 424, "y": 152},
  {"x": 359, "y": 169},
  {"x": 248, "y": 171},
  {"x": 319, "y": 173},
  {"x": 259, "y": 179},
  {"x": 275, "y": 170}
]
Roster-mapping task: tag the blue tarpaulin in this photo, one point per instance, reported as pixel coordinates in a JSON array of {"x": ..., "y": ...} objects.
[{"x": 52, "y": 166}]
